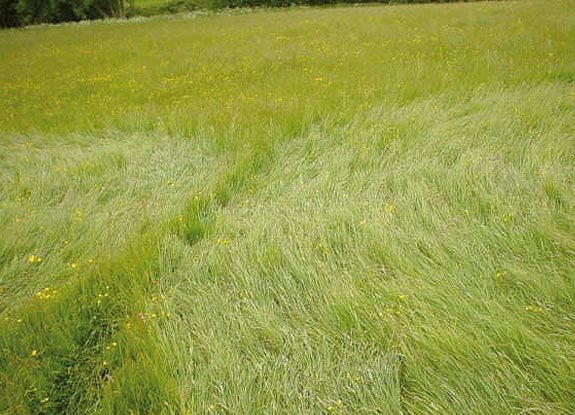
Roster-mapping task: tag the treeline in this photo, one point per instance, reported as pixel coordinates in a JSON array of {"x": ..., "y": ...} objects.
[
  {"x": 175, "y": 6},
  {"x": 24, "y": 12}
]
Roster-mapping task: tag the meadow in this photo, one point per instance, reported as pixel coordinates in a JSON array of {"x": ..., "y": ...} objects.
[{"x": 350, "y": 210}]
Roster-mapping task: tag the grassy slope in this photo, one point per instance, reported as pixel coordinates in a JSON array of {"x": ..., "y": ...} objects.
[{"x": 355, "y": 210}]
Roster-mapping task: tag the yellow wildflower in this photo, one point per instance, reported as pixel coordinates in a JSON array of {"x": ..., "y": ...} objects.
[{"x": 46, "y": 293}]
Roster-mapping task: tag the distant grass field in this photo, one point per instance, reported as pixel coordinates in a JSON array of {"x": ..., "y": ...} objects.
[
  {"x": 153, "y": 7},
  {"x": 359, "y": 210}
]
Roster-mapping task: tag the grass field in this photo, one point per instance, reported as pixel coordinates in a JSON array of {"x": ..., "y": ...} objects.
[
  {"x": 359, "y": 210},
  {"x": 157, "y": 7}
]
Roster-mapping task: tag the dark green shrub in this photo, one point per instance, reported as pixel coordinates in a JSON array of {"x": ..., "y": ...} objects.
[
  {"x": 15, "y": 12},
  {"x": 53, "y": 11},
  {"x": 8, "y": 14}
]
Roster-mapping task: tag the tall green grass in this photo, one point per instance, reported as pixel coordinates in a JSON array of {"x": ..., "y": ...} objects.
[{"x": 353, "y": 211}]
